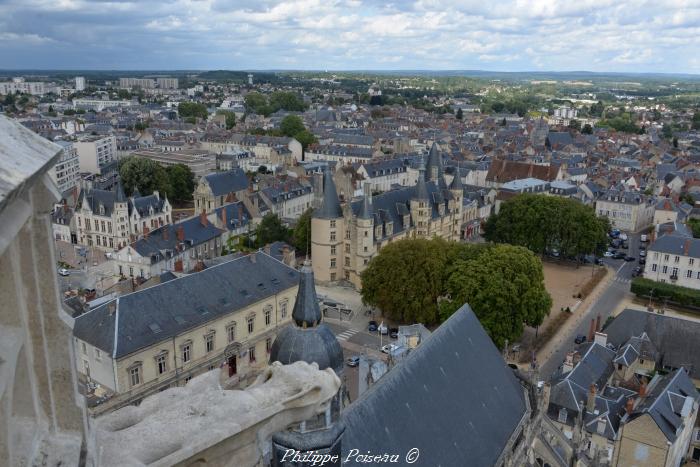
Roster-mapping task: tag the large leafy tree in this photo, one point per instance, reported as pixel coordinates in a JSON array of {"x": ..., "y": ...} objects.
[
  {"x": 302, "y": 232},
  {"x": 406, "y": 279},
  {"x": 544, "y": 223},
  {"x": 192, "y": 110},
  {"x": 181, "y": 180},
  {"x": 271, "y": 230},
  {"x": 144, "y": 174},
  {"x": 504, "y": 285},
  {"x": 291, "y": 125}
]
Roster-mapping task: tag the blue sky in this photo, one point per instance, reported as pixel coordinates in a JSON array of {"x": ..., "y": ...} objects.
[{"x": 503, "y": 35}]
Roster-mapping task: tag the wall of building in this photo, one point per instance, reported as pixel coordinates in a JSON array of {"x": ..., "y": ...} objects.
[{"x": 641, "y": 443}]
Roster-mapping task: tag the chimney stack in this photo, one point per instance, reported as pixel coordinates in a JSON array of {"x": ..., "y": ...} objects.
[
  {"x": 601, "y": 338},
  {"x": 146, "y": 231},
  {"x": 180, "y": 233},
  {"x": 590, "y": 405},
  {"x": 630, "y": 406},
  {"x": 203, "y": 218},
  {"x": 643, "y": 389},
  {"x": 223, "y": 217},
  {"x": 591, "y": 331},
  {"x": 166, "y": 234}
]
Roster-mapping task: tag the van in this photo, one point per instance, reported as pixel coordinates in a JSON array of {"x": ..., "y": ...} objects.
[{"x": 644, "y": 238}]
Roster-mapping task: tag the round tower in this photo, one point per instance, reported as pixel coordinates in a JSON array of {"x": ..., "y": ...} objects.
[{"x": 327, "y": 233}]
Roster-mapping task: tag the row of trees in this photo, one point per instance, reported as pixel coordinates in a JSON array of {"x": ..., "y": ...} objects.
[
  {"x": 266, "y": 105},
  {"x": 192, "y": 110},
  {"x": 293, "y": 126},
  {"x": 419, "y": 280},
  {"x": 271, "y": 229},
  {"x": 175, "y": 181},
  {"x": 547, "y": 223}
]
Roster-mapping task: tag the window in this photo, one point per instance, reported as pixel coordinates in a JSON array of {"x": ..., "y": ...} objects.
[
  {"x": 332, "y": 236},
  {"x": 641, "y": 361},
  {"x": 84, "y": 348},
  {"x": 664, "y": 269},
  {"x": 268, "y": 315},
  {"x": 283, "y": 309},
  {"x": 691, "y": 261},
  {"x": 332, "y": 276},
  {"x": 251, "y": 324},
  {"x": 365, "y": 233},
  {"x": 251, "y": 354},
  {"x": 674, "y": 272},
  {"x": 653, "y": 267},
  {"x": 656, "y": 255},
  {"x": 187, "y": 379},
  {"x": 347, "y": 234},
  {"x": 665, "y": 257},
  {"x": 332, "y": 224},
  {"x": 186, "y": 353},
  {"x": 135, "y": 375},
  {"x": 268, "y": 344},
  {"x": 162, "y": 363},
  {"x": 562, "y": 416},
  {"x": 333, "y": 249},
  {"x": 98, "y": 355},
  {"x": 689, "y": 274},
  {"x": 676, "y": 259},
  {"x": 332, "y": 262},
  {"x": 209, "y": 342},
  {"x": 347, "y": 261},
  {"x": 619, "y": 366},
  {"x": 231, "y": 332}
]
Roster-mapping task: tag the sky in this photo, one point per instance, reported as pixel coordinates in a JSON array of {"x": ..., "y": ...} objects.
[{"x": 499, "y": 35}]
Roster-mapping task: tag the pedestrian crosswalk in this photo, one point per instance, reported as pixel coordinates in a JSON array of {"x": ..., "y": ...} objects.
[
  {"x": 347, "y": 334},
  {"x": 623, "y": 280}
]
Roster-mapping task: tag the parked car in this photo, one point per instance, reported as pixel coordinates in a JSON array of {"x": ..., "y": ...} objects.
[
  {"x": 642, "y": 254},
  {"x": 629, "y": 258},
  {"x": 580, "y": 339},
  {"x": 642, "y": 248},
  {"x": 599, "y": 261},
  {"x": 608, "y": 254},
  {"x": 389, "y": 348},
  {"x": 623, "y": 237},
  {"x": 64, "y": 272},
  {"x": 619, "y": 255},
  {"x": 372, "y": 327},
  {"x": 383, "y": 329},
  {"x": 642, "y": 261},
  {"x": 644, "y": 238},
  {"x": 108, "y": 255},
  {"x": 394, "y": 333},
  {"x": 353, "y": 361}
]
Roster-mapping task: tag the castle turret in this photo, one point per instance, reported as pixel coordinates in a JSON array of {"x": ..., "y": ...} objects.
[
  {"x": 435, "y": 172},
  {"x": 327, "y": 233},
  {"x": 365, "y": 235},
  {"x": 457, "y": 190},
  {"x": 421, "y": 209}
]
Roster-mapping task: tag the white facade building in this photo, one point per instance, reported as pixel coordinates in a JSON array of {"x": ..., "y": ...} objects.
[
  {"x": 96, "y": 151},
  {"x": 67, "y": 169},
  {"x": 26, "y": 87},
  {"x": 79, "y": 83}
]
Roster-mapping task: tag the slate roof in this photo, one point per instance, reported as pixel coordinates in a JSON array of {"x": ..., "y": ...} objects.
[
  {"x": 330, "y": 206},
  {"x": 163, "y": 311},
  {"x": 676, "y": 340},
  {"x": 223, "y": 183},
  {"x": 677, "y": 244},
  {"x": 144, "y": 203},
  {"x": 665, "y": 401},
  {"x": 456, "y": 384}
]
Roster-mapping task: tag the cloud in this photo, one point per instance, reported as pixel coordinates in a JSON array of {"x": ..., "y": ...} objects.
[{"x": 597, "y": 35}]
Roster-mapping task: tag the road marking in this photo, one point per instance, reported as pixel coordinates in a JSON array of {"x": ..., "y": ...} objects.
[
  {"x": 347, "y": 334},
  {"x": 620, "y": 268}
]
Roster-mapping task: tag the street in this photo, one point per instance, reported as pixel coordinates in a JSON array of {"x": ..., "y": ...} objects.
[{"x": 610, "y": 299}]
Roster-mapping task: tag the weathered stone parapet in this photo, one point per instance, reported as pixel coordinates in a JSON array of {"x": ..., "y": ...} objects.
[{"x": 202, "y": 423}]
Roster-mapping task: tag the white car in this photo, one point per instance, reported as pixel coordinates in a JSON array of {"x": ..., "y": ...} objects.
[
  {"x": 64, "y": 272},
  {"x": 623, "y": 237},
  {"x": 383, "y": 329},
  {"x": 389, "y": 348},
  {"x": 608, "y": 254}
]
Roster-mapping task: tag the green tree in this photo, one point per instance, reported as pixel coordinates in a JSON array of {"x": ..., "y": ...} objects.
[
  {"x": 575, "y": 124},
  {"x": 271, "y": 230},
  {"x": 406, "y": 279},
  {"x": 181, "y": 181},
  {"x": 286, "y": 101},
  {"x": 695, "y": 125},
  {"x": 306, "y": 138},
  {"x": 192, "y": 110},
  {"x": 144, "y": 174},
  {"x": 587, "y": 129},
  {"x": 460, "y": 114},
  {"x": 302, "y": 232},
  {"x": 291, "y": 125},
  {"x": 230, "y": 118},
  {"x": 504, "y": 286},
  {"x": 257, "y": 103}
]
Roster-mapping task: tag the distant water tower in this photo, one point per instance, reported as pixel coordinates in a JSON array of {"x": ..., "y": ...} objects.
[{"x": 250, "y": 78}]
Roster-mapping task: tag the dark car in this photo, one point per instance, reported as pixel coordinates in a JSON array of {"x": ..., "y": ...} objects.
[
  {"x": 619, "y": 256},
  {"x": 630, "y": 258},
  {"x": 372, "y": 327},
  {"x": 394, "y": 333},
  {"x": 599, "y": 261},
  {"x": 580, "y": 339},
  {"x": 642, "y": 261},
  {"x": 353, "y": 361}
]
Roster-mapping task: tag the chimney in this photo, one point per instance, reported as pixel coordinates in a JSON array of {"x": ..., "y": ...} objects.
[
  {"x": 203, "y": 218},
  {"x": 597, "y": 323},
  {"x": 643, "y": 389},
  {"x": 602, "y": 425},
  {"x": 180, "y": 233},
  {"x": 223, "y": 217},
  {"x": 591, "y": 331},
  {"x": 601, "y": 338},
  {"x": 590, "y": 404},
  {"x": 166, "y": 234},
  {"x": 146, "y": 231},
  {"x": 253, "y": 258},
  {"x": 630, "y": 406},
  {"x": 156, "y": 194},
  {"x": 568, "y": 362}
]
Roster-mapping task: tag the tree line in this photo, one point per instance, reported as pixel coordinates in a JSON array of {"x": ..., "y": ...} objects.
[
  {"x": 175, "y": 181},
  {"x": 426, "y": 281},
  {"x": 547, "y": 223}
]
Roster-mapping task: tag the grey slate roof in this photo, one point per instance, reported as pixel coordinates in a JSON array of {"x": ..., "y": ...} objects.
[
  {"x": 306, "y": 310},
  {"x": 676, "y": 340},
  {"x": 161, "y": 312},
  {"x": 665, "y": 401},
  {"x": 677, "y": 244},
  {"x": 454, "y": 384},
  {"x": 157, "y": 245},
  {"x": 223, "y": 183},
  {"x": 330, "y": 206}
]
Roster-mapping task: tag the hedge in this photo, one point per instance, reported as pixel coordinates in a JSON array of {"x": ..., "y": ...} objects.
[{"x": 674, "y": 293}]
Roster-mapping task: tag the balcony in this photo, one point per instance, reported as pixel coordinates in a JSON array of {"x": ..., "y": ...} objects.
[{"x": 674, "y": 277}]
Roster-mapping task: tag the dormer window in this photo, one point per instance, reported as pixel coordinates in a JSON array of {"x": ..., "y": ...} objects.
[{"x": 562, "y": 416}]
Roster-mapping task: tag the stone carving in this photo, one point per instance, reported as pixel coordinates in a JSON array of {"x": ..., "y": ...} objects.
[{"x": 204, "y": 424}]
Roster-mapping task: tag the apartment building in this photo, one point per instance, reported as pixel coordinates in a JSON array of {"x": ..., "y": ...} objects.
[
  {"x": 143, "y": 83},
  {"x": 94, "y": 152},
  {"x": 215, "y": 190},
  {"x": 227, "y": 315},
  {"x": 200, "y": 162},
  {"x": 20, "y": 85},
  {"x": 627, "y": 210},
  {"x": 288, "y": 200},
  {"x": 167, "y": 83},
  {"x": 66, "y": 172},
  {"x": 80, "y": 83},
  {"x": 99, "y": 104},
  {"x": 674, "y": 258},
  {"x": 384, "y": 174}
]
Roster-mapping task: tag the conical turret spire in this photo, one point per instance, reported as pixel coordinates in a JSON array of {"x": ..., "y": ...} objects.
[
  {"x": 456, "y": 181},
  {"x": 306, "y": 311},
  {"x": 330, "y": 207},
  {"x": 366, "y": 210},
  {"x": 421, "y": 186}
]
